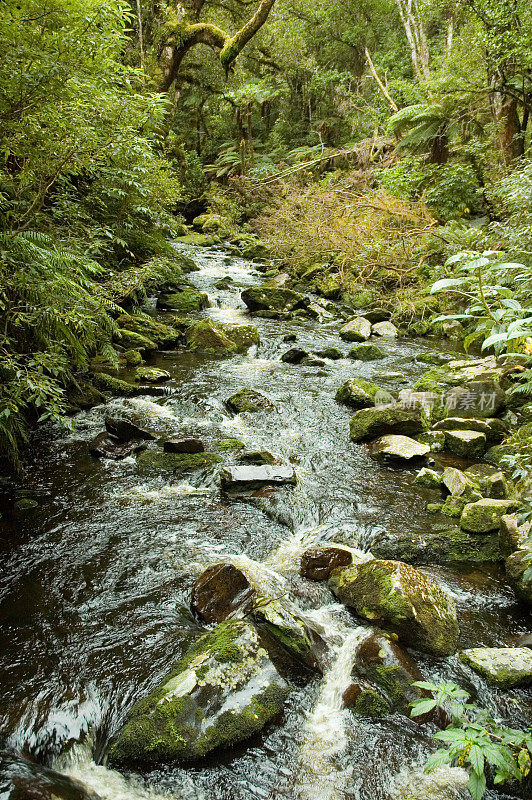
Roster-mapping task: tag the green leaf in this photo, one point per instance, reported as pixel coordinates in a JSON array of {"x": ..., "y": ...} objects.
[
  {"x": 476, "y": 758},
  {"x": 447, "y": 283},
  {"x": 437, "y": 759},
  {"x": 422, "y": 707},
  {"x": 477, "y": 785}
]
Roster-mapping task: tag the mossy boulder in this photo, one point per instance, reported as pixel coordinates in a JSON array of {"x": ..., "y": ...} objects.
[
  {"x": 367, "y": 352},
  {"x": 395, "y": 418},
  {"x": 464, "y": 389},
  {"x": 164, "y": 336},
  {"x": 428, "y": 478},
  {"x": 439, "y": 544},
  {"x": 285, "y": 627},
  {"x": 230, "y": 444},
  {"x": 382, "y": 662},
  {"x": 356, "y": 330},
  {"x": 329, "y": 286},
  {"x": 244, "y": 336},
  {"x": 185, "y": 301},
  {"x": 396, "y": 595},
  {"x": 208, "y": 336},
  {"x": 384, "y": 328},
  {"x": 152, "y": 375},
  {"x": 84, "y": 395},
  {"x": 223, "y": 691},
  {"x": 504, "y": 667},
  {"x": 273, "y": 299},
  {"x": 434, "y": 439},
  {"x": 134, "y": 341},
  {"x": 115, "y": 386},
  {"x": 485, "y": 515},
  {"x": 466, "y": 444},
  {"x": 159, "y": 462},
  {"x": 492, "y": 427},
  {"x": 357, "y": 393},
  {"x": 210, "y": 223},
  {"x": 519, "y": 573},
  {"x": 132, "y": 358},
  {"x": 330, "y": 352},
  {"x": 248, "y": 400}
]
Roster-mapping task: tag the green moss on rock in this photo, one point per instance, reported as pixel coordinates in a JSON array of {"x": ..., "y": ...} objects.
[
  {"x": 158, "y": 461},
  {"x": 369, "y": 423},
  {"x": 357, "y": 393}
]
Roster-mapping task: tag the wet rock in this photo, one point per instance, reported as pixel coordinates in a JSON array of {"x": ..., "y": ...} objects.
[
  {"x": 485, "y": 515},
  {"x": 367, "y": 352},
  {"x": 294, "y": 356},
  {"x": 258, "y": 457},
  {"x": 519, "y": 573},
  {"x": 394, "y": 447},
  {"x": 158, "y": 462},
  {"x": 83, "y": 395},
  {"x": 224, "y": 283},
  {"x": 152, "y": 375},
  {"x": 495, "y": 486},
  {"x": 317, "y": 563},
  {"x": 185, "y": 301},
  {"x": 478, "y": 398},
  {"x": 429, "y": 478},
  {"x": 440, "y": 544},
  {"x": 383, "y": 663},
  {"x": 459, "y": 484},
  {"x": 378, "y": 315},
  {"x": 230, "y": 444},
  {"x": 329, "y": 286},
  {"x": 124, "y": 430},
  {"x": 184, "y": 446},
  {"x": 525, "y": 640},
  {"x": 493, "y": 428},
  {"x": 333, "y": 353},
  {"x": 272, "y": 298},
  {"x": 434, "y": 439},
  {"x": 250, "y": 477},
  {"x": 244, "y": 336},
  {"x": 136, "y": 341},
  {"x": 115, "y": 386},
  {"x": 312, "y": 361},
  {"x": 502, "y": 666},
  {"x": 223, "y": 691},
  {"x": 365, "y": 701},
  {"x": 357, "y": 393},
  {"x": 209, "y": 223},
  {"x": 400, "y": 597},
  {"x": 513, "y": 535},
  {"x": 288, "y": 630},
  {"x": 26, "y": 503},
  {"x": 105, "y": 446},
  {"x": 290, "y": 337},
  {"x": 369, "y": 423},
  {"x": 132, "y": 358},
  {"x": 219, "y": 592},
  {"x": 466, "y": 444},
  {"x": 164, "y": 336},
  {"x": 208, "y": 336},
  {"x": 248, "y": 400},
  {"x": 384, "y": 328},
  {"x": 356, "y": 330}
]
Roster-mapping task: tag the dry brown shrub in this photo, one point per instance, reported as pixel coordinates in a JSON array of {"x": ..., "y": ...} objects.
[{"x": 370, "y": 236}]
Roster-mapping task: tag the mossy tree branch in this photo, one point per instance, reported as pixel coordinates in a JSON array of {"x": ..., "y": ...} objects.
[{"x": 188, "y": 35}]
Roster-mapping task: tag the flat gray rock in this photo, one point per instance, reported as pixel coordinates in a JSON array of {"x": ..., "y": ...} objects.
[
  {"x": 255, "y": 476},
  {"x": 398, "y": 448},
  {"x": 502, "y": 666}
]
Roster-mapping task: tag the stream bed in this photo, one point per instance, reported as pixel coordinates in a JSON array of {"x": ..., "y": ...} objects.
[{"x": 95, "y": 583}]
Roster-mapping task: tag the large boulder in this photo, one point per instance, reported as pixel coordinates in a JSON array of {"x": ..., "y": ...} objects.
[
  {"x": 357, "y": 393},
  {"x": 356, "y": 330},
  {"x": 294, "y": 356},
  {"x": 384, "y": 328},
  {"x": 159, "y": 462},
  {"x": 396, "y": 595},
  {"x": 502, "y": 666},
  {"x": 124, "y": 430},
  {"x": 439, "y": 544},
  {"x": 248, "y": 400},
  {"x": 485, "y": 515},
  {"x": 183, "y": 446},
  {"x": 208, "y": 336},
  {"x": 493, "y": 427},
  {"x": 394, "y": 447},
  {"x": 244, "y": 336},
  {"x": 185, "y": 301},
  {"x": 369, "y": 423},
  {"x": 273, "y": 298},
  {"x": 164, "y": 336},
  {"x": 151, "y": 375},
  {"x": 466, "y": 444},
  {"x": 224, "y": 690},
  {"x": 367, "y": 352},
  {"x": 519, "y": 572},
  {"x": 106, "y": 446},
  {"x": 219, "y": 592}
]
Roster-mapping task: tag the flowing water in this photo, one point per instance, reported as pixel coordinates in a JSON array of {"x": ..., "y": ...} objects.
[{"x": 94, "y": 593}]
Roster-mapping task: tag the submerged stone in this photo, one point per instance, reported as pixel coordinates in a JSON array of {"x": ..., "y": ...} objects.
[
  {"x": 398, "y": 596},
  {"x": 157, "y": 461},
  {"x": 124, "y": 430},
  {"x": 248, "y": 400},
  {"x": 183, "y": 446},
  {"x": 258, "y": 457},
  {"x": 357, "y": 330},
  {"x": 333, "y": 353},
  {"x": 106, "y": 446},
  {"x": 294, "y": 356},
  {"x": 439, "y": 545},
  {"x": 502, "y": 666},
  {"x": 223, "y": 691}
]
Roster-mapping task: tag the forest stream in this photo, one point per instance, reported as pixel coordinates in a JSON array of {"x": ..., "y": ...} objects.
[{"x": 95, "y": 591}]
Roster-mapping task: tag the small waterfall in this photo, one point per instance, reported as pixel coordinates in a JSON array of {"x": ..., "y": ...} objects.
[
  {"x": 105, "y": 783},
  {"x": 325, "y": 735}
]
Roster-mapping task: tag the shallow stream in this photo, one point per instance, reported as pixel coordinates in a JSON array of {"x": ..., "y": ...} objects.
[{"x": 95, "y": 584}]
